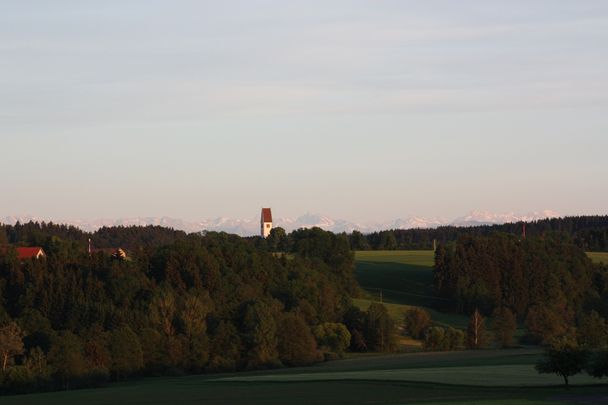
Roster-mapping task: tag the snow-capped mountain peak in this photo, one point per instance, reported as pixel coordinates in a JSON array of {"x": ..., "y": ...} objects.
[{"x": 251, "y": 226}]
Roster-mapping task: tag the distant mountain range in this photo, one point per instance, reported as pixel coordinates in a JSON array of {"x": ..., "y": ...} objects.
[{"x": 246, "y": 227}]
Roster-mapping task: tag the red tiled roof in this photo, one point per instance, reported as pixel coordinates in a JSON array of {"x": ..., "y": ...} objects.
[
  {"x": 266, "y": 215},
  {"x": 28, "y": 252}
]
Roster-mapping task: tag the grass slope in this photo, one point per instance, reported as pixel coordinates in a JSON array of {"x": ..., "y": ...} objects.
[
  {"x": 515, "y": 375},
  {"x": 387, "y": 379},
  {"x": 405, "y": 279}
]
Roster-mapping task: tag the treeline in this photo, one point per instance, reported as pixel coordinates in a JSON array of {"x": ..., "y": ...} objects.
[
  {"x": 178, "y": 304},
  {"x": 130, "y": 238},
  {"x": 549, "y": 283},
  {"x": 589, "y": 233}
]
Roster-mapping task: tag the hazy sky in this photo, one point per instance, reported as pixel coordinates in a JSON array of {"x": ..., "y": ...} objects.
[{"x": 366, "y": 110}]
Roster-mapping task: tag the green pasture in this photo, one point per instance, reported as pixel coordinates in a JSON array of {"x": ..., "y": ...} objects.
[
  {"x": 514, "y": 375},
  {"x": 401, "y": 276},
  {"x": 401, "y": 279},
  {"x": 598, "y": 257},
  {"x": 187, "y": 390},
  {"x": 454, "y": 377}
]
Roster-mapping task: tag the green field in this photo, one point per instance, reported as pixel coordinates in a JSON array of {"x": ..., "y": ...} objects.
[
  {"x": 484, "y": 376},
  {"x": 522, "y": 375},
  {"x": 404, "y": 278},
  {"x": 598, "y": 257},
  {"x": 401, "y": 279}
]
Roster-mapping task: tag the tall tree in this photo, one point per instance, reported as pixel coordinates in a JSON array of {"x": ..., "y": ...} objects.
[
  {"x": 379, "y": 329},
  {"x": 126, "y": 352},
  {"x": 67, "y": 358},
  {"x": 504, "y": 325},
  {"x": 564, "y": 358},
  {"x": 260, "y": 327},
  {"x": 592, "y": 331},
  {"x": 476, "y": 331},
  {"x": 296, "y": 344},
  {"x": 11, "y": 343}
]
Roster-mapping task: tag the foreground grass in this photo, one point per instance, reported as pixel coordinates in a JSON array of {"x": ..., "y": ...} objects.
[
  {"x": 518, "y": 375},
  {"x": 457, "y": 377},
  {"x": 196, "y": 390}
]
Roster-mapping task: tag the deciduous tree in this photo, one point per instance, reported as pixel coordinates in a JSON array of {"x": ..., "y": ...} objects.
[
  {"x": 11, "y": 343},
  {"x": 564, "y": 358},
  {"x": 476, "y": 331},
  {"x": 504, "y": 325},
  {"x": 416, "y": 321},
  {"x": 125, "y": 349}
]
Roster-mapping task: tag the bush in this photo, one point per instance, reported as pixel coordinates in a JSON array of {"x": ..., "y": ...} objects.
[
  {"x": 296, "y": 344},
  {"x": 434, "y": 338},
  {"x": 18, "y": 380},
  {"x": 416, "y": 322},
  {"x": 598, "y": 364},
  {"x": 379, "y": 329},
  {"x": 332, "y": 337},
  {"x": 438, "y": 338},
  {"x": 454, "y": 339}
]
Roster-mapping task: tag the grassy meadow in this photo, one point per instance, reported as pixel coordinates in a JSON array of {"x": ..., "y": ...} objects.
[
  {"x": 478, "y": 377},
  {"x": 598, "y": 257},
  {"x": 401, "y": 279}
]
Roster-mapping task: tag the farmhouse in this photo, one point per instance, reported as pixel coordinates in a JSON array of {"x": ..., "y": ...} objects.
[
  {"x": 25, "y": 253},
  {"x": 115, "y": 252},
  {"x": 266, "y": 222}
]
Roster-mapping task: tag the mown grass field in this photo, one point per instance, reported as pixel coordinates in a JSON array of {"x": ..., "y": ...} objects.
[
  {"x": 598, "y": 257},
  {"x": 401, "y": 279},
  {"x": 514, "y": 375},
  {"x": 456, "y": 377}
]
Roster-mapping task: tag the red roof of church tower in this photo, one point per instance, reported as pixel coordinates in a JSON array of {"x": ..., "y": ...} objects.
[{"x": 266, "y": 215}]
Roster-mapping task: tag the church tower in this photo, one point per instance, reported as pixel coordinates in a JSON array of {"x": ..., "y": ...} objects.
[{"x": 266, "y": 222}]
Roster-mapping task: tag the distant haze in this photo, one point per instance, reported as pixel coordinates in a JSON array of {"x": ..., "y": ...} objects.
[{"x": 364, "y": 110}]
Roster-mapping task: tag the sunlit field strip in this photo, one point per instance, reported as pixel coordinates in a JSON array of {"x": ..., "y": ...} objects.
[{"x": 485, "y": 376}]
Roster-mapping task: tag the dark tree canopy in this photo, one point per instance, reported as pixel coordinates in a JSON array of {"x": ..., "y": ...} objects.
[{"x": 177, "y": 304}]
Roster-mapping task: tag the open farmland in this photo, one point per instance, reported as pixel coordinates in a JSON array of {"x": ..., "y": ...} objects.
[
  {"x": 598, "y": 257},
  {"x": 404, "y": 278},
  {"x": 401, "y": 279},
  {"x": 523, "y": 375},
  {"x": 483, "y": 377}
]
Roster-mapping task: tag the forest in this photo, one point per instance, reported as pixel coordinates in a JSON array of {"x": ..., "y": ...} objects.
[
  {"x": 549, "y": 283},
  {"x": 212, "y": 302},
  {"x": 589, "y": 233},
  {"x": 177, "y": 304}
]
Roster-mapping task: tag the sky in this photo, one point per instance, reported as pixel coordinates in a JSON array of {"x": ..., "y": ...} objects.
[{"x": 366, "y": 110}]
